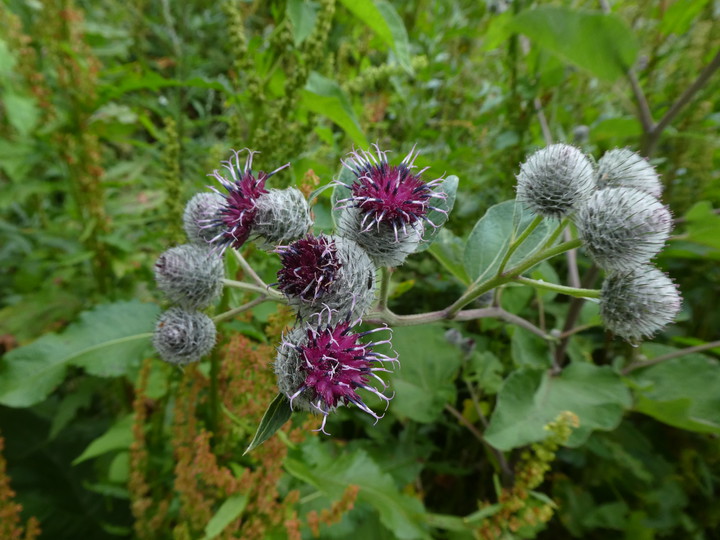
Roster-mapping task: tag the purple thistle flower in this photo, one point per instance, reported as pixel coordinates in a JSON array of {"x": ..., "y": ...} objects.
[
  {"x": 321, "y": 367},
  {"x": 328, "y": 271},
  {"x": 238, "y": 211},
  {"x": 390, "y": 195},
  {"x": 309, "y": 267}
]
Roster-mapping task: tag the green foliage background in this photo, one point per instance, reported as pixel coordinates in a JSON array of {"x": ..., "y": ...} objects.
[{"x": 111, "y": 121}]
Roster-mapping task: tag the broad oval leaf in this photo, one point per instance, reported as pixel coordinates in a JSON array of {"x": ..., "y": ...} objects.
[
  {"x": 530, "y": 399},
  {"x": 491, "y": 237},
  {"x": 108, "y": 340},
  {"x": 600, "y": 43},
  {"x": 424, "y": 382},
  {"x": 274, "y": 418}
]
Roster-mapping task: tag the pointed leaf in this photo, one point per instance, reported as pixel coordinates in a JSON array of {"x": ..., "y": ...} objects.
[
  {"x": 274, "y": 418},
  {"x": 228, "y": 512}
]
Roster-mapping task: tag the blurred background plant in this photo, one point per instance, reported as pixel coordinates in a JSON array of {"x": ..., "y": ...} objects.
[{"x": 112, "y": 114}]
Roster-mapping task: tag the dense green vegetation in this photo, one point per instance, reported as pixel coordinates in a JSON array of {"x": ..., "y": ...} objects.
[{"x": 112, "y": 114}]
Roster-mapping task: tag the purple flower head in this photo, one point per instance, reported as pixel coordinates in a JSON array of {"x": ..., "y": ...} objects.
[
  {"x": 309, "y": 267},
  {"x": 238, "y": 212},
  {"x": 321, "y": 367},
  {"x": 390, "y": 195}
]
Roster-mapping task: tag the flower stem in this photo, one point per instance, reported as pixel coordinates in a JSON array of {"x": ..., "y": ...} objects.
[
  {"x": 249, "y": 269},
  {"x": 272, "y": 295},
  {"x": 562, "y": 289},
  {"x": 518, "y": 241},
  {"x": 235, "y": 311},
  {"x": 384, "y": 288}
]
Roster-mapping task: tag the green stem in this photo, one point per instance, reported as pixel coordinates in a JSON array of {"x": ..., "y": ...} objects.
[
  {"x": 272, "y": 295},
  {"x": 562, "y": 289},
  {"x": 249, "y": 269},
  {"x": 384, "y": 288},
  {"x": 558, "y": 230},
  {"x": 235, "y": 311},
  {"x": 475, "y": 291},
  {"x": 518, "y": 241}
]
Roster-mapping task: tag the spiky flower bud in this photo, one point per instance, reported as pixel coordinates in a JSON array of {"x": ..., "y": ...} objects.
[
  {"x": 282, "y": 216},
  {"x": 554, "y": 180},
  {"x": 182, "y": 337},
  {"x": 200, "y": 217},
  {"x": 387, "y": 206},
  {"x": 237, "y": 215},
  {"x": 623, "y": 227},
  {"x": 624, "y": 168},
  {"x": 326, "y": 271},
  {"x": 190, "y": 275},
  {"x": 321, "y": 366},
  {"x": 639, "y": 302}
]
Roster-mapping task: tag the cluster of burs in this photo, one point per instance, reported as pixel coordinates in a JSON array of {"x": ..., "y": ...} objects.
[
  {"x": 616, "y": 208},
  {"x": 329, "y": 280}
]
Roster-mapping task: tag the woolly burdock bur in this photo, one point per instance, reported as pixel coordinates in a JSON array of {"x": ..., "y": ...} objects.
[
  {"x": 321, "y": 366},
  {"x": 387, "y": 206},
  {"x": 554, "y": 180},
  {"x": 638, "y": 303},
  {"x": 622, "y": 167},
  {"x": 282, "y": 215},
  {"x": 200, "y": 211},
  {"x": 190, "y": 275},
  {"x": 326, "y": 271},
  {"x": 623, "y": 227},
  {"x": 237, "y": 215},
  {"x": 182, "y": 337}
]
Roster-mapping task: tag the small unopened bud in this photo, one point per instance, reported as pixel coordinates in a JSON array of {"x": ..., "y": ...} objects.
[
  {"x": 638, "y": 303},
  {"x": 554, "y": 180},
  {"x": 200, "y": 217},
  {"x": 190, "y": 275},
  {"x": 182, "y": 337},
  {"x": 624, "y": 168},
  {"x": 623, "y": 227},
  {"x": 282, "y": 215},
  {"x": 320, "y": 272}
]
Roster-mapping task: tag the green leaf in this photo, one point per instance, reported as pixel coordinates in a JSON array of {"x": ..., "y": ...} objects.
[
  {"x": 448, "y": 249},
  {"x": 105, "y": 341},
  {"x": 681, "y": 392},
  {"x": 302, "y": 17},
  {"x": 529, "y": 350},
  {"x": 274, "y": 418},
  {"x": 424, "y": 382},
  {"x": 21, "y": 111},
  {"x": 332, "y": 474},
  {"x": 7, "y": 60},
  {"x": 447, "y": 522},
  {"x": 530, "y": 399},
  {"x": 382, "y": 18},
  {"x": 490, "y": 238},
  {"x": 118, "y": 437},
  {"x": 325, "y": 97},
  {"x": 228, "y": 512},
  {"x": 484, "y": 513},
  {"x": 449, "y": 187},
  {"x": 602, "y": 44},
  {"x": 152, "y": 81},
  {"x": 703, "y": 225}
]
